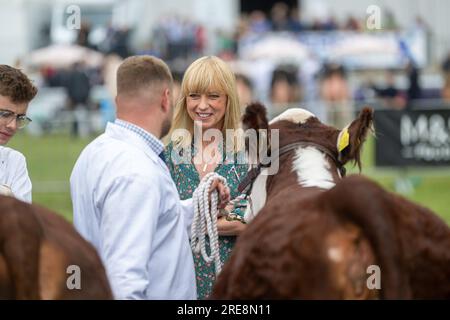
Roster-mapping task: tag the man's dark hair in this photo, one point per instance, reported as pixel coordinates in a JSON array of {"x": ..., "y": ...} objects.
[{"x": 15, "y": 85}]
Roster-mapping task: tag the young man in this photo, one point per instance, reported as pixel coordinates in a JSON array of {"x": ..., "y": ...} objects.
[
  {"x": 125, "y": 202},
  {"x": 16, "y": 91}
]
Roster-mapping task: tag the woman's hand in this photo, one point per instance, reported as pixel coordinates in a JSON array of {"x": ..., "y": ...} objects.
[
  {"x": 224, "y": 193},
  {"x": 229, "y": 228}
]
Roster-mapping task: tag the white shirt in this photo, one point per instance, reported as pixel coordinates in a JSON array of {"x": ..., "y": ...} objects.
[
  {"x": 126, "y": 204},
  {"x": 14, "y": 173}
]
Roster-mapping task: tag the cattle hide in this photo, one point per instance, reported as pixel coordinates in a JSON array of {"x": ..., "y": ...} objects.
[{"x": 38, "y": 253}]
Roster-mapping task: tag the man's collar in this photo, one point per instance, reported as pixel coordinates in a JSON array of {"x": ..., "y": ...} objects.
[{"x": 152, "y": 141}]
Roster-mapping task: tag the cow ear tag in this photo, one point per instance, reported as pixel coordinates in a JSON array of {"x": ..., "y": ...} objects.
[{"x": 343, "y": 139}]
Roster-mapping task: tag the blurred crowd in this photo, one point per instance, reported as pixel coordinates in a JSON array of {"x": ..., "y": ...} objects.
[
  {"x": 179, "y": 40},
  {"x": 284, "y": 18}
]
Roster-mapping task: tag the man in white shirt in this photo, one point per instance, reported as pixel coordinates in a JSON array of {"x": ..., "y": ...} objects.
[
  {"x": 16, "y": 92},
  {"x": 125, "y": 202}
]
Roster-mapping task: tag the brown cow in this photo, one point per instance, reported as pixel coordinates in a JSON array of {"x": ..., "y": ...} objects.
[
  {"x": 316, "y": 235},
  {"x": 36, "y": 249}
]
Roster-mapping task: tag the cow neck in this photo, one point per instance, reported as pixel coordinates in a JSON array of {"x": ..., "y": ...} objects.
[
  {"x": 304, "y": 166},
  {"x": 313, "y": 168}
]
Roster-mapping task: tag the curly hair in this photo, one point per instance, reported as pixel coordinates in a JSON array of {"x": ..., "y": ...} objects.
[{"x": 15, "y": 85}]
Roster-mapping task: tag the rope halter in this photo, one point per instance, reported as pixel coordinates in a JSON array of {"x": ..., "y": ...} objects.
[{"x": 205, "y": 220}]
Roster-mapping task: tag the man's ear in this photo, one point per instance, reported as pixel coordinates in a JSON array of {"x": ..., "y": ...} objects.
[
  {"x": 166, "y": 100},
  {"x": 351, "y": 138}
]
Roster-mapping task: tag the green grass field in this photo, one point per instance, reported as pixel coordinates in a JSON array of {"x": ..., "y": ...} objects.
[{"x": 51, "y": 159}]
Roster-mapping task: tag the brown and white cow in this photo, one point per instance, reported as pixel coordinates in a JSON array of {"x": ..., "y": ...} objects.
[
  {"x": 317, "y": 235},
  {"x": 37, "y": 250}
]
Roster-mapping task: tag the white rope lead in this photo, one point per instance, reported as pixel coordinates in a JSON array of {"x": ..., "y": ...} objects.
[{"x": 205, "y": 220}]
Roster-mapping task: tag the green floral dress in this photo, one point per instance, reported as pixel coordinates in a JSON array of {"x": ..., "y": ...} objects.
[{"x": 187, "y": 179}]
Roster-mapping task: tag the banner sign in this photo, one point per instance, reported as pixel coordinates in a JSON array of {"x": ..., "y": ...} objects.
[{"x": 412, "y": 138}]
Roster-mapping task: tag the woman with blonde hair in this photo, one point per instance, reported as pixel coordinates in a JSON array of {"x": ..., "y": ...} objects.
[{"x": 207, "y": 109}]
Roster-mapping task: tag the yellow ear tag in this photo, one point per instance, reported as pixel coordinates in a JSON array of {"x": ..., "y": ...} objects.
[{"x": 344, "y": 138}]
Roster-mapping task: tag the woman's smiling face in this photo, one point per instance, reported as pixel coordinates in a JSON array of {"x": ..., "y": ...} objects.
[{"x": 207, "y": 108}]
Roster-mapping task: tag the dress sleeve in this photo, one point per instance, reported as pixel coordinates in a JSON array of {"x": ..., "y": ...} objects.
[
  {"x": 186, "y": 205},
  {"x": 168, "y": 157}
]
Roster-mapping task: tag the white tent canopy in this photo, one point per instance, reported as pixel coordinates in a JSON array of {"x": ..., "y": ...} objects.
[
  {"x": 275, "y": 48},
  {"x": 63, "y": 56}
]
